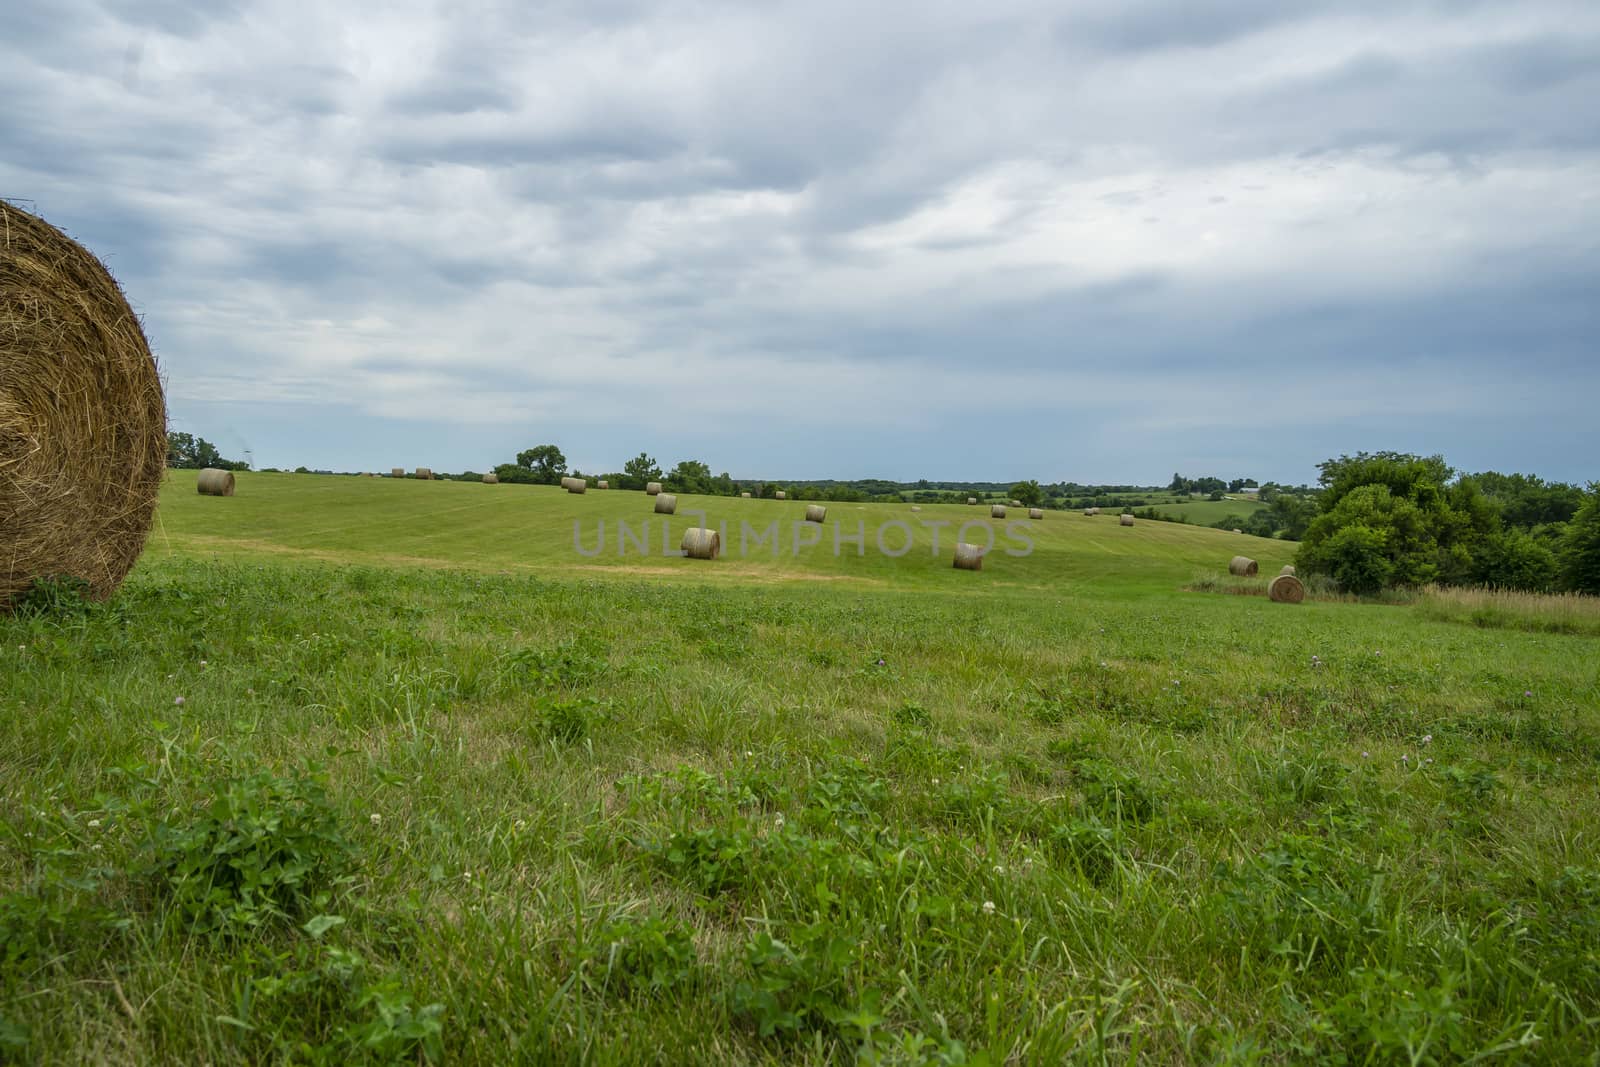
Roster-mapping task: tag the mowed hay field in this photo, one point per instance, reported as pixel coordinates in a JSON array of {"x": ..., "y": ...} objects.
[{"x": 371, "y": 771}]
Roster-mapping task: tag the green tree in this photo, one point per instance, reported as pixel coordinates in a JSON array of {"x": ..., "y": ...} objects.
[
  {"x": 1580, "y": 549},
  {"x": 640, "y": 471},
  {"x": 1512, "y": 559},
  {"x": 1028, "y": 492},
  {"x": 1391, "y": 527},
  {"x": 545, "y": 462},
  {"x": 188, "y": 452},
  {"x": 690, "y": 476}
]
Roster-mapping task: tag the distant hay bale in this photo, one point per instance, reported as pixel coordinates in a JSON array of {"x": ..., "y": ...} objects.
[
  {"x": 653, "y": 488},
  {"x": 781, "y": 495},
  {"x": 1286, "y": 589},
  {"x": 997, "y": 511},
  {"x": 424, "y": 474},
  {"x": 700, "y": 543},
  {"x": 579, "y": 485},
  {"x": 972, "y": 500},
  {"x": 666, "y": 504},
  {"x": 602, "y": 484},
  {"x": 914, "y": 507},
  {"x": 1242, "y": 567},
  {"x": 83, "y": 424},
  {"x": 1288, "y": 568},
  {"x": 491, "y": 479},
  {"x": 1091, "y": 511},
  {"x": 1237, "y": 530},
  {"x": 1126, "y": 520},
  {"x": 1036, "y": 513},
  {"x": 397, "y": 472},
  {"x": 816, "y": 513},
  {"x": 744, "y": 496},
  {"x": 214, "y": 482},
  {"x": 1016, "y": 503},
  {"x": 968, "y": 557}
]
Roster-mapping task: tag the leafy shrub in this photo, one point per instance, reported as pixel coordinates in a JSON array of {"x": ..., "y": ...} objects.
[{"x": 263, "y": 849}]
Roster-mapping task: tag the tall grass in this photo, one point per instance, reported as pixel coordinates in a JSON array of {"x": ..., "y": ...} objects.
[{"x": 1510, "y": 609}]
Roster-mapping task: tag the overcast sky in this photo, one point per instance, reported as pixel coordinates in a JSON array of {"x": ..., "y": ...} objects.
[{"x": 1099, "y": 240}]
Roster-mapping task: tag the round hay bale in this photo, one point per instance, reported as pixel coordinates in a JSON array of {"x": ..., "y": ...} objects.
[
  {"x": 425, "y": 474},
  {"x": 491, "y": 479},
  {"x": 666, "y": 504},
  {"x": 744, "y": 496},
  {"x": 997, "y": 511},
  {"x": 972, "y": 500},
  {"x": 700, "y": 543},
  {"x": 1237, "y": 530},
  {"x": 968, "y": 557},
  {"x": 914, "y": 507},
  {"x": 397, "y": 472},
  {"x": 602, "y": 484},
  {"x": 1242, "y": 566},
  {"x": 1288, "y": 568},
  {"x": 83, "y": 423},
  {"x": 1286, "y": 589},
  {"x": 653, "y": 488},
  {"x": 1016, "y": 503},
  {"x": 579, "y": 485},
  {"x": 1036, "y": 513},
  {"x": 214, "y": 482},
  {"x": 816, "y": 513},
  {"x": 1126, "y": 520},
  {"x": 781, "y": 495}
]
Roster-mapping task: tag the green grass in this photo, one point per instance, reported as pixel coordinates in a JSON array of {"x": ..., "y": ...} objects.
[
  {"x": 1204, "y": 512},
  {"x": 432, "y": 792}
]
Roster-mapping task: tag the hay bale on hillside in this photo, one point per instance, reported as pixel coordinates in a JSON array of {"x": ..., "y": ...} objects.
[
  {"x": 397, "y": 472},
  {"x": 816, "y": 513},
  {"x": 214, "y": 482},
  {"x": 1286, "y": 589},
  {"x": 666, "y": 504},
  {"x": 602, "y": 484},
  {"x": 1091, "y": 511},
  {"x": 1036, "y": 513},
  {"x": 1288, "y": 568},
  {"x": 1242, "y": 567},
  {"x": 971, "y": 500},
  {"x": 914, "y": 507},
  {"x": 491, "y": 479},
  {"x": 700, "y": 543},
  {"x": 1126, "y": 520},
  {"x": 744, "y": 496},
  {"x": 579, "y": 485},
  {"x": 1016, "y": 503},
  {"x": 1237, "y": 530},
  {"x": 653, "y": 488},
  {"x": 997, "y": 511},
  {"x": 83, "y": 424},
  {"x": 968, "y": 557},
  {"x": 424, "y": 474},
  {"x": 781, "y": 495}
]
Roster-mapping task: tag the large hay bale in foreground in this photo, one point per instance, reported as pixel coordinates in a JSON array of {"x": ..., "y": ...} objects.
[
  {"x": 1286, "y": 589},
  {"x": 968, "y": 557},
  {"x": 1242, "y": 567},
  {"x": 816, "y": 513},
  {"x": 83, "y": 424},
  {"x": 424, "y": 474},
  {"x": 397, "y": 472},
  {"x": 653, "y": 488},
  {"x": 1036, "y": 513},
  {"x": 491, "y": 479},
  {"x": 997, "y": 511},
  {"x": 666, "y": 504},
  {"x": 1126, "y": 520},
  {"x": 214, "y": 482},
  {"x": 700, "y": 543}
]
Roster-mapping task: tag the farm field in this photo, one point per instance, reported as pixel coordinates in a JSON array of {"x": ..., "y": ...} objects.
[
  {"x": 1202, "y": 512},
  {"x": 373, "y": 771}
]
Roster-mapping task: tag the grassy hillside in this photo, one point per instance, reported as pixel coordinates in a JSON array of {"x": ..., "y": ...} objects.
[
  {"x": 374, "y": 772},
  {"x": 1204, "y": 512},
  {"x": 530, "y": 529}
]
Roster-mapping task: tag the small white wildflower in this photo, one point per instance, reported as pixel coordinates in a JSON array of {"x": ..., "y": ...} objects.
[
  {"x": 748, "y": 754},
  {"x": 1427, "y": 739},
  {"x": 467, "y": 875},
  {"x": 178, "y": 701},
  {"x": 936, "y": 781},
  {"x": 202, "y": 663},
  {"x": 1366, "y": 755},
  {"x": 999, "y": 869},
  {"x": 1027, "y": 861},
  {"x": 520, "y": 824},
  {"x": 1405, "y": 758},
  {"x": 988, "y": 907},
  {"x": 94, "y": 824},
  {"x": 375, "y": 818},
  {"x": 778, "y": 822}
]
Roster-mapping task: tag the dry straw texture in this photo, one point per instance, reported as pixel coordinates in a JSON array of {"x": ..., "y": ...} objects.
[
  {"x": 1286, "y": 589},
  {"x": 816, "y": 513},
  {"x": 491, "y": 479},
  {"x": 579, "y": 485},
  {"x": 968, "y": 557},
  {"x": 653, "y": 488},
  {"x": 213, "y": 482},
  {"x": 397, "y": 472},
  {"x": 1036, "y": 513},
  {"x": 83, "y": 424},
  {"x": 425, "y": 474},
  {"x": 699, "y": 543},
  {"x": 1243, "y": 566},
  {"x": 997, "y": 511},
  {"x": 666, "y": 504},
  {"x": 1126, "y": 520}
]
